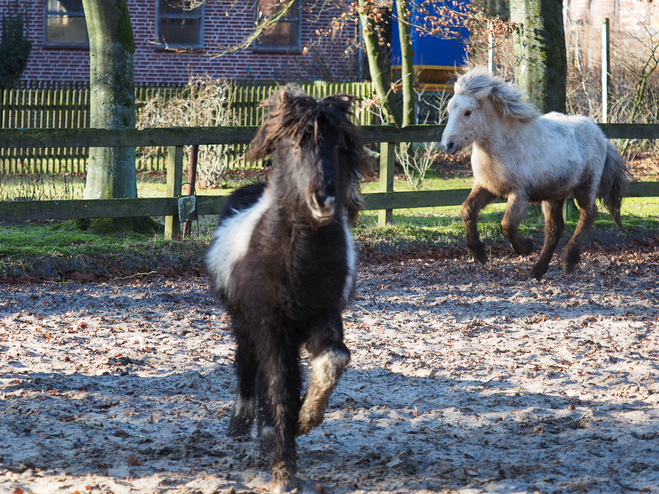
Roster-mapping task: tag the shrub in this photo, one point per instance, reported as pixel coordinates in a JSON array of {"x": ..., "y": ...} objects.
[
  {"x": 14, "y": 47},
  {"x": 205, "y": 102}
]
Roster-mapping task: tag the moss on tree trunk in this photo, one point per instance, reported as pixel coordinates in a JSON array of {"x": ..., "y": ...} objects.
[
  {"x": 540, "y": 56},
  {"x": 111, "y": 171}
]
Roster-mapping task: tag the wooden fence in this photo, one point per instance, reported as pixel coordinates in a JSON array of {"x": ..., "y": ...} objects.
[
  {"x": 67, "y": 107},
  {"x": 176, "y": 208}
]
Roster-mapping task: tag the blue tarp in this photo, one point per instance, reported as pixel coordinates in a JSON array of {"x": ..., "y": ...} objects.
[{"x": 430, "y": 50}]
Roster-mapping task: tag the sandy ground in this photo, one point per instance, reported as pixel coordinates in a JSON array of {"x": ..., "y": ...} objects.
[{"x": 463, "y": 379}]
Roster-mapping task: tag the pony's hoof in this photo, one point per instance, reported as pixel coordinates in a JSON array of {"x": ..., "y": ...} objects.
[
  {"x": 536, "y": 274},
  {"x": 480, "y": 255},
  {"x": 526, "y": 247},
  {"x": 308, "y": 421},
  {"x": 283, "y": 482},
  {"x": 568, "y": 268},
  {"x": 239, "y": 429}
]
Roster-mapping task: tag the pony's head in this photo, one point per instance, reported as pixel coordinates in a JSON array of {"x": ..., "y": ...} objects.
[
  {"x": 479, "y": 102},
  {"x": 315, "y": 150}
]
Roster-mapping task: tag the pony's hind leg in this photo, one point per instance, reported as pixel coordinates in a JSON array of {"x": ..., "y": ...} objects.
[
  {"x": 477, "y": 200},
  {"x": 587, "y": 217},
  {"x": 510, "y": 224},
  {"x": 330, "y": 357},
  {"x": 242, "y": 417},
  {"x": 554, "y": 225}
]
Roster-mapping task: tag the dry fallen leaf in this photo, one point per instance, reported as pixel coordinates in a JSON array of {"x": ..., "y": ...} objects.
[{"x": 134, "y": 462}]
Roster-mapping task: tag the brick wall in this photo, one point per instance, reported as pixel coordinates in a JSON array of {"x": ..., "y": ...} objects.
[{"x": 328, "y": 58}]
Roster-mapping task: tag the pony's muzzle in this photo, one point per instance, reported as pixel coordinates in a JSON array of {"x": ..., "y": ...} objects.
[
  {"x": 322, "y": 205},
  {"x": 451, "y": 147}
]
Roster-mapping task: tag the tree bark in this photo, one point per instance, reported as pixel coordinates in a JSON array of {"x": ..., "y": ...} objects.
[
  {"x": 407, "y": 61},
  {"x": 540, "y": 56},
  {"x": 111, "y": 171},
  {"x": 377, "y": 67}
]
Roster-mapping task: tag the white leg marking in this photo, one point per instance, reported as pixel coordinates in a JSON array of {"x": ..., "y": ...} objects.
[{"x": 325, "y": 373}]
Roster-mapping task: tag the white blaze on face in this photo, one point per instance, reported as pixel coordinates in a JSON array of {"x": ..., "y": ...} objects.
[
  {"x": 231, "y": 241},
  {"x": 449, "y": 130}
]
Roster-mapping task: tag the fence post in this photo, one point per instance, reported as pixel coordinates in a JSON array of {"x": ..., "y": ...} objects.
[
  {"x": 174, "y": 185},
  {"x": 387, "y": 161},
  {"x": 192, "y": 180},
  {"x": 606, "y": 69}
]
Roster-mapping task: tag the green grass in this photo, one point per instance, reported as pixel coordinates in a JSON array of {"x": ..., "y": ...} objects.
[
  {"x": 60, "y": 250},
  {"x": 52, "y": 250}
]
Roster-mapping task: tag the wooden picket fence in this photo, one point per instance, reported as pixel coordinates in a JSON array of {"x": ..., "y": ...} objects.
[{"x": 66, "y": 106}]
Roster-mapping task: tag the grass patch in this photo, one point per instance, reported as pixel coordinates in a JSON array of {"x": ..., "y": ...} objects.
[{"x": 59, "y": 250}]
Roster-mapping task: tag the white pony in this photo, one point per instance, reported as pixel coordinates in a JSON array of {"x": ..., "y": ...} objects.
[{"x": 523, "y": 156}]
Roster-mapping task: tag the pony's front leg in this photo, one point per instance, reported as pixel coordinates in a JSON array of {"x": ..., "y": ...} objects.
[
  {"x": 330, "y": 357},
  {"x": 554, "y": 225},
  {"x": 515, "y": 209},
  {"x": 281, "y": 374},
  {"x": 242, "y": 417},
  {"x": 477, "y": 200}
]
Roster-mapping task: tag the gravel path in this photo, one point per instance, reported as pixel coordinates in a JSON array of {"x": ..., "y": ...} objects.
[{"x": 463, "y": 379}]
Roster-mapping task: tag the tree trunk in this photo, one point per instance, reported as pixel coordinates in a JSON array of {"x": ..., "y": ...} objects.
[
  {"x": 407, "y": 61},
  {"x": 111, "y": 171},
  {"x": 377, "y": 67},
  {"x": 540, "y": 56}
]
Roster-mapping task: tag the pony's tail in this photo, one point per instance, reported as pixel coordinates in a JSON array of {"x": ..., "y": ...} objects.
[{"x": 614, "y": 184}]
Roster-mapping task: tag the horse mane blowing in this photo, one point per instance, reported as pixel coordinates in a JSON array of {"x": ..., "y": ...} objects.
[{"x": 507, "y": 98}]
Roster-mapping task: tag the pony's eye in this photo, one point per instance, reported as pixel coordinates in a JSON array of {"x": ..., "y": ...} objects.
[{"x": 467, "y": 113}]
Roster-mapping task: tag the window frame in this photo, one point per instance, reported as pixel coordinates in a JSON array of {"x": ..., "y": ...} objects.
[
  {"x": 168, "y": 45},
  {"x": 49, "y": 14},
  {"x": 297, "y": 19}
]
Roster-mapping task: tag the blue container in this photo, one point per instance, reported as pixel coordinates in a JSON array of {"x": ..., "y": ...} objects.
[{"x": 435, "y": 59}]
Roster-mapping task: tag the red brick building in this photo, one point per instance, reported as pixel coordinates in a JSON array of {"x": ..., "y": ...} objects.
[{"x": 176, "y": 39}]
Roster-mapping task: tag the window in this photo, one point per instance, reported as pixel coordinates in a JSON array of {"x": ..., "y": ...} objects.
[
  {"x": 283, "y": 36},
  {"x": 65, "y": 23},
  {"x": 180, "y": 23}
]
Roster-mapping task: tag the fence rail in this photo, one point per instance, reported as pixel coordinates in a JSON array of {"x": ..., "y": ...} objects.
[
  {"x": 384, "y": 201},
  {"x": 67, "y": 107}
]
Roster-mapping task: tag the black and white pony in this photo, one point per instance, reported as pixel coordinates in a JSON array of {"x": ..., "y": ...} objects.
[
  {"x": 522, "y": 156},
  {"x": 283, "y": 263}
]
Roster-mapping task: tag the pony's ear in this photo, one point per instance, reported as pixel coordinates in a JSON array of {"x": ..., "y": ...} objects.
[
  {"x": 280, "y": 99},
  {"x": 482, "y": 94},
  {"x": 263, "y": 143},
  {"x": 342, "y": 102}
]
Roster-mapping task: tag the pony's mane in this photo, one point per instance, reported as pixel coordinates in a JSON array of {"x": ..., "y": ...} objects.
[
  {"x": 507, "y": 98},
  {"x": 298, "y": 117}
]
